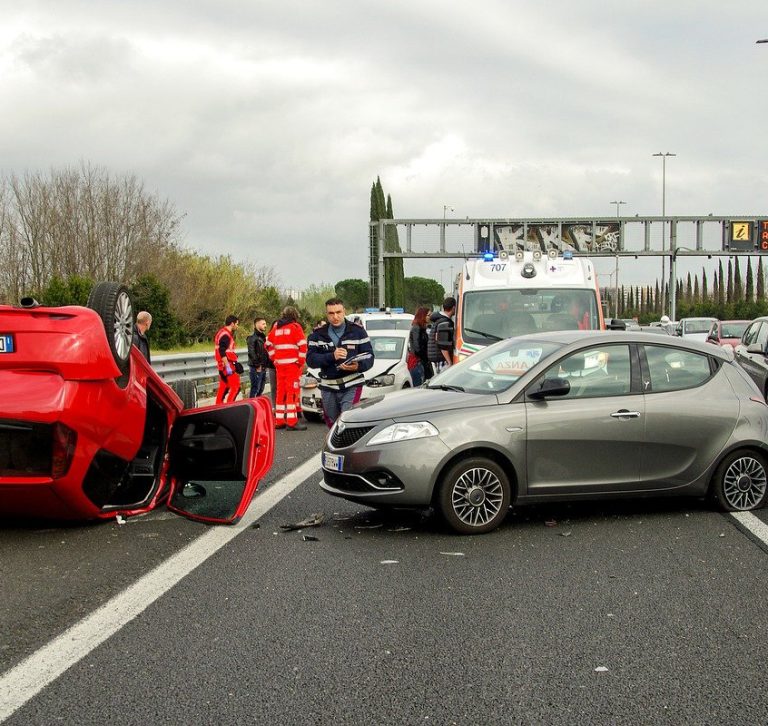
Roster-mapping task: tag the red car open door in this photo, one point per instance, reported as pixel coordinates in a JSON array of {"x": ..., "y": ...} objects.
[{"x": 216, "y": 457}]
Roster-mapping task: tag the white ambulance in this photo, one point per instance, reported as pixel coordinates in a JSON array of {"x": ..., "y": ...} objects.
[{"x": 502, "y": 295}]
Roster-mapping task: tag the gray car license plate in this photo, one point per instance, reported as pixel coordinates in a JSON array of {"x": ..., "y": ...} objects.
[{"x": 333, "y": 462}]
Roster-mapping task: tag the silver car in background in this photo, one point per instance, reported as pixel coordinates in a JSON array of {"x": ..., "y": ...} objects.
[{"x": 557, "y": 416}]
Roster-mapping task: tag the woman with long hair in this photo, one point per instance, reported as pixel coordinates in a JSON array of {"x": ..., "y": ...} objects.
[{"x": 418, "y": 363}]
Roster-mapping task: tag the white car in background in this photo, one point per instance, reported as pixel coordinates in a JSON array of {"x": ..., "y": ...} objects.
[
  {"x": 695, "y": 328},
  {"x": 383, "y": 320},
  {"x": 388, "y": 373}
]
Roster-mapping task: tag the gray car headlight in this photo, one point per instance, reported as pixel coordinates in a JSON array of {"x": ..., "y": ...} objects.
[
  {"x": 386, "y": 380},
  {"x": 308, "y": 382},
  {"x": 403, "y": 432}
]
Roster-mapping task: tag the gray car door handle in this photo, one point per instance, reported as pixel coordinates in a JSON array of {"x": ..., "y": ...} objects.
[{"x": 626, "y": 414}]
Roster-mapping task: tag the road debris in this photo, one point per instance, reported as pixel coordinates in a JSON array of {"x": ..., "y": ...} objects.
[
  {"x": 601, "y": 669},
  {"x": 120, "y": 519},
  {"x": 566, "y": 534},
  {"x": 389, "y": 562},
  {"x": 368, "y": 526},
  {"x": 313, "y": 520},
  {"x": 310, "y": 538},
  {"x": 453, "y": 554},
  {"x": 550, "y": 523}
]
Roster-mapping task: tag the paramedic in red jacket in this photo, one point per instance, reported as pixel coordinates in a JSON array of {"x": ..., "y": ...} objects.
[
  {"x": 224, "y": 352},
  {"x": 287, "y": 349}
]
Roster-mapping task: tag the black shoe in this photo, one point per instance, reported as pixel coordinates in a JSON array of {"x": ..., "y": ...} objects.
[{"x": 298, "y": 427}]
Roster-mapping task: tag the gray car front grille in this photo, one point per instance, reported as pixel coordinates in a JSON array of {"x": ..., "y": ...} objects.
[{"x": 348, "y": 436}]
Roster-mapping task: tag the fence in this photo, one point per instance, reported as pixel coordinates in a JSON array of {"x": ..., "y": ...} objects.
[{"x": 198, "y": 367}]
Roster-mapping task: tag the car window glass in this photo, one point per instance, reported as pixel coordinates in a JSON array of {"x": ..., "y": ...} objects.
[
  {"x": 599, "y": 371},
  {"x": 497, "y": 367},
  {"x": 672, "y": 368},
  {"x": 733, "y": 330},
  {"x": 751, "y": 335},
  {"x": 762, "y": 336},
  {"x": 386, "y": 348}
]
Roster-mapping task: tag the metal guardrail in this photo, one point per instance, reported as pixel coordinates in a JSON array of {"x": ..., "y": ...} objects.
[{"x": 199, "y": 367}]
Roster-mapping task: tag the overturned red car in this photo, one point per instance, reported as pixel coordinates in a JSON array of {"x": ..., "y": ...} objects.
[{"x": 88, "y": 430}]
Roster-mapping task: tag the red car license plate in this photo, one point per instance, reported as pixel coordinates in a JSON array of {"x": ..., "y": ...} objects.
[{"x": 6, "y": 343}]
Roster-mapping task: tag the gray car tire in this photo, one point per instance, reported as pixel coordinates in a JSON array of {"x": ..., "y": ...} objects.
[
  {"x": 474, "y": 496},
  {"x": 741, "y": 482}
]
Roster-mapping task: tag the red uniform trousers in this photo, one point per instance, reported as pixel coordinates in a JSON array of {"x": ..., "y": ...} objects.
[
  {"x": 287, "y": 403},
  {"x": 232, "y": 384}
]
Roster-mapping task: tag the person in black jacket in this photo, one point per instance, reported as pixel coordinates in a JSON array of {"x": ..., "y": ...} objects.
[
  {"x": 143, "y": 324},
  {"x": 258, "y": 360},
  {"x": 441, "y": 336}
]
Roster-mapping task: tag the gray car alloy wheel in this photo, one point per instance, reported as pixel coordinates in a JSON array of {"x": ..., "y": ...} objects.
[
  {"x": 741, "y": 482},
  {"x": 475, "y": 496}
]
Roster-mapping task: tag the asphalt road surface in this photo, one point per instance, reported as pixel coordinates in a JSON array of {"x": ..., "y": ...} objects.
[{"x": 617, "y": 613}]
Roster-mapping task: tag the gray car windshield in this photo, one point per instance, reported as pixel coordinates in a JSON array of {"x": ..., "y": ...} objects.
[{"x": 495, "y": 368}]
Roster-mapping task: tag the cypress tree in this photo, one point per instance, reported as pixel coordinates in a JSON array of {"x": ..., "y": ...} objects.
[
  {"x": 729, "y": 284},
  {"x": 395, "y": 275},
  {"x": 749, "y": 290},
  {"x": 373, "y": 265},
  {"x": 721, "y": 290},
  {"x": 656, "y": 300},
  {"x": 760, "y": 286},
  {"x": 704, "y": 290},
  {"x": 696, "y": 291},
  {"x": 688, "y": 290},
  {"x": 738, "y": 290}
]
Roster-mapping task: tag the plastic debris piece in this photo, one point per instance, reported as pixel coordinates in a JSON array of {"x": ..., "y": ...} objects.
[
  {"x": 566, "y": 534},
  {"x": 368, "y": 526},
  {"x": 313, "y": 520},
  {"x": 453, "y": 554},
  {"x": 310, "y": 538},
  {"x": 120, "y": 519},
  {"x": 389, "y": 562},
  {"x": 400, "y": 529},
  {"x": 550, "y": 523},
  {"x": 722, "y": 534},
  {"x": 601, "y": 669}
]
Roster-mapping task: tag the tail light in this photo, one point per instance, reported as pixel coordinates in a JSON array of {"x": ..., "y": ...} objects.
[{"x": 64, "y": 440}]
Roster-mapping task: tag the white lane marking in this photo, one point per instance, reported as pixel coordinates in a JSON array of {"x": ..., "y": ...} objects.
[
  {"x": 756, "y": 526},
  {"x": 28, "y": 678}
]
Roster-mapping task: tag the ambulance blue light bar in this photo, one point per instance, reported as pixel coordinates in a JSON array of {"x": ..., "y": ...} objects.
[
  {"x": 488, "y": 257},
  {"x": 568, "y": 254}
]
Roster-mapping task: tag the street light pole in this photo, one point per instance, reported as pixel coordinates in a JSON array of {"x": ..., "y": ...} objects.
[
  {"x": 664, "y": 156},
  {"x": 616, "y": 271},
  {"x": 446, "y": 207}
]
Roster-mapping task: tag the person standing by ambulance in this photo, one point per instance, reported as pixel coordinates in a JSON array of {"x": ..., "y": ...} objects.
[
  {"x": 287, "y": 349},
  {"x": 226, "y": 360},
  {"x": 341, "y": 383}
]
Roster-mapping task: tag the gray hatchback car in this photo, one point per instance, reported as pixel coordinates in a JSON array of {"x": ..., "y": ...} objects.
[{"x": 556, "y": 416}]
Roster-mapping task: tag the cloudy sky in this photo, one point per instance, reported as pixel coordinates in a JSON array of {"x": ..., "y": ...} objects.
[{"x": 266, "y": 122}]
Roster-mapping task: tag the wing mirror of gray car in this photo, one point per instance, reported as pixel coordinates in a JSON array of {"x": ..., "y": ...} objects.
[
  {"x": 616, "y": 324},
  {"x": 755, "y": 348},
  {"x": 550, "y": 387}
]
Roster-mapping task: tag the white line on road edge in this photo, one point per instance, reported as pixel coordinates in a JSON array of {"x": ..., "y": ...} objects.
[
  {"x": 28, "y": 678},
  {"x": 750, "y": 522}
]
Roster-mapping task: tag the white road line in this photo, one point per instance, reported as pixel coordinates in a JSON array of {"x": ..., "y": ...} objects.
[
  {"x": 756, "y": 526},
  {"x": 28, "y": 678}
]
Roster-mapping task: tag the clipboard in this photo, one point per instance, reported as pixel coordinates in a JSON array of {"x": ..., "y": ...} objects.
[{"x": 354, "y": 359}]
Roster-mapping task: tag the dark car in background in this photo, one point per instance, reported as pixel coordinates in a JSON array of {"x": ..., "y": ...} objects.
[
  {"x": 558, "y": 416},
  {"x": 752, "y": 353}
]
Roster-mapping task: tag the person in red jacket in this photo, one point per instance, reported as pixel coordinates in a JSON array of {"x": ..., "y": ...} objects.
[
  {"x": 226, "y": 360},
  {"x": 287, "y": 349}
]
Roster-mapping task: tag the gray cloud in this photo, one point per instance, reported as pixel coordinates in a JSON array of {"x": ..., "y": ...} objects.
[{"x": 267, "y": 122}]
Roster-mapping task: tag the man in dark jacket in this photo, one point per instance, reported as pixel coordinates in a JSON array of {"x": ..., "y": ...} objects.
[
  {"x": 258, "y": 360},
  {"x": 143, "y": 323},
  {"x": 328, "y": 348},
  {"x": 441, "y": 336}
]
